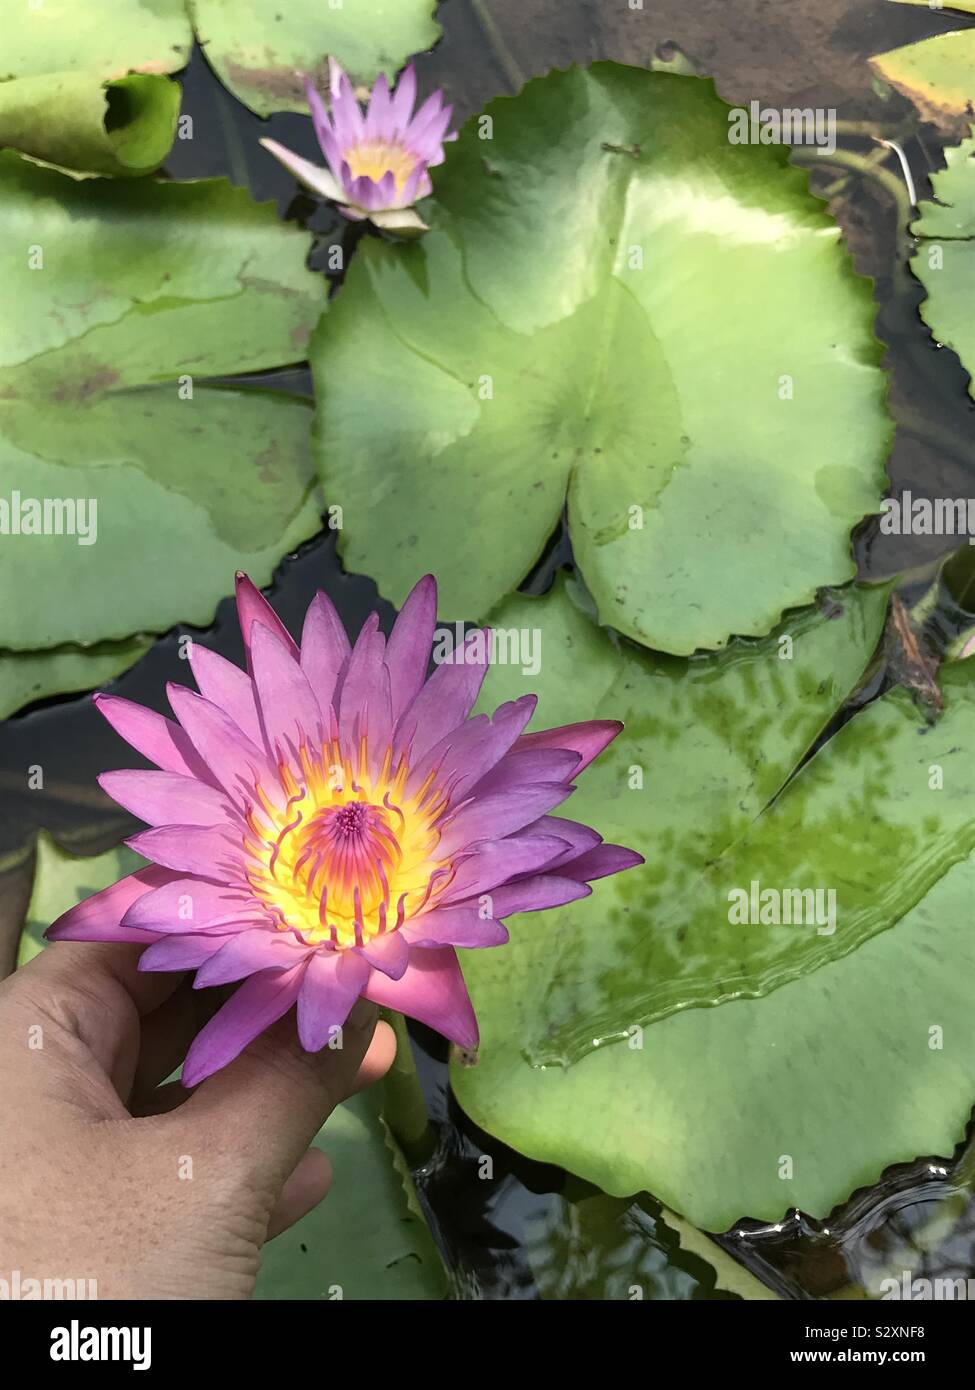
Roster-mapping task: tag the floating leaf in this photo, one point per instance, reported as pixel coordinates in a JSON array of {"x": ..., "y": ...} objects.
[
  {"x": 937, "y": 75},
  {"x": 122, "y": 299},
  {"x": 260, "y": 48},
  {"x": 613, "y": 307},
  {"x": 106, "y": 37},
  {"x": 707, "y": 745},
  {"x": 78, "y": 121},
  {"x": 945, "y": 260},
  {"x": 836, "y": 1068},
  {"x": 29, "y": 676},
  {"x": 364, "y": 1241}
]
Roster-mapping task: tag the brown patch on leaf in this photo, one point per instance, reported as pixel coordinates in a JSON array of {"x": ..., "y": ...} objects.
[
  {"x": 94, "y": 384},
  {"x": 910, "y": 664}
]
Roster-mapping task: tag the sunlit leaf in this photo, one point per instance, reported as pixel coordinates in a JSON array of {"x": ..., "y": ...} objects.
[
  {"x": 806, "y": 1092},
  {"x": 122, "y": 298},
  {"x": 660, "y": 331},
  {"x": 260, "y": 48}
]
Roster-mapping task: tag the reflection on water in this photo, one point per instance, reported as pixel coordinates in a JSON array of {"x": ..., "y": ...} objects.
[{"x": 530, "y": 1232}]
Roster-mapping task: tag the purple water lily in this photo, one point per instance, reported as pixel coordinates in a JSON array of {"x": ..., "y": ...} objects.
[
  {"x": 377, "y": 159},
  {"x": 332, "y": 824}
]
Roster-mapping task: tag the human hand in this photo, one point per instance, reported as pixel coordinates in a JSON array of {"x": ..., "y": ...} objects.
[{"x": 153, "y": 1191}]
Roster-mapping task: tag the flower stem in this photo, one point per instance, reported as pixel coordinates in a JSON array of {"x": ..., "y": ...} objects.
[{"x": 404, "y": 1108}]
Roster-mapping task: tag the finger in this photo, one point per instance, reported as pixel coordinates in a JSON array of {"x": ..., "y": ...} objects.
[
  {"x": 308, "y": 1185},
  {"x": 261, "y": 1112},
  {"x": 87, "y": 998}
]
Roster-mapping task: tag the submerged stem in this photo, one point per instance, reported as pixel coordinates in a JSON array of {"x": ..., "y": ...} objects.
[{"x": 404, "y": 1108}]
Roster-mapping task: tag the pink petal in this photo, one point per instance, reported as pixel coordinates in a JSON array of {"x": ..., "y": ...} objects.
[
  {"x": 253, "y": 607},
  {"x": 403, "y": 98},
  {"x": 455, "y": 926},
  {"x": 498, "y": 814},
  {"x": 247, "y": 953},
  {"x": 378, "y": 124},
  {"x": 290, "y": 714},
  {"x": 236, "y": 763},
  {"x": 588, "y": 739},
  {"x": 333, "y": 982},
  {"x": 389, "y": 953},
  {"x": 167, "y": 798},
  {"x": 190, "y": 849},
  {"x": 228, "y": 687},
  {"x": 465, "y": 755},
  {"x": 600, "y": 862},
  {"x": 324, "y": 650},
  {"x": 577, "y": 838},
  {"x": 364, "y": 699},
  {"x": 180, "y": 952},
  {"x": 445, "y": 700},
  {"x": 523, "y": 769},
  {"x": 153, "y": 735},
  {"x": 408, "y": 650},
  {"x": 260, "y": 1001},
  {"x": 99, "y": 917},
  {"x": 433, "y": 992},
  {"x": 535, "y": 893},
  {"x": 184, "y": 905},
  {"x": 489, "y": 864}
]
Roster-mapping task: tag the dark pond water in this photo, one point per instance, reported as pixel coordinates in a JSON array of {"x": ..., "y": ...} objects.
[{"x": 533, "y": 1231}]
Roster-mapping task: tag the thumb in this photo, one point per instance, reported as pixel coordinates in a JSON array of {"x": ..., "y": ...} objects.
[{"x": 262, "y": 1110}]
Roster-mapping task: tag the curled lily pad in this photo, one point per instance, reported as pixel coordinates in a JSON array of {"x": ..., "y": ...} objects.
[
  {"x": 858, "y": 1055},
  {"x": 120, "y": 465},
  {"x": 937, "y": 75},
  {"x": 259, "y": 48},
  {"x": 945, "y": 260},
  {"x": 78, "y": 121},
  {"x": 83, "y": 82},
  {"x": 29, "y": 676},
  {"x": 616, "y": 310}
]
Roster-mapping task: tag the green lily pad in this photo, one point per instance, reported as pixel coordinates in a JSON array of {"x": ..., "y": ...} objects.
[
  {"x": 945, "y": 260},
  {"x": 520, "y": 358},
  {"x": 29, "y": 676},
  {"x": 260, "y": 48},
  {"x": 122, "y": 299},
  {"x": 61, "y": 880},
  {"x": 937, "y": 75},
  {"x": 818, "y": 1069},
  {"x": 707, "y": 746},
  {"x": 365, "y": 1241},
  {"x": 78, "y": 121},
  {"x": 106, "y": 37}
]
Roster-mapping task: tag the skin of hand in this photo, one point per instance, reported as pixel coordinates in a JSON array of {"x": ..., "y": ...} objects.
[{"x": 151, "y": 1190}]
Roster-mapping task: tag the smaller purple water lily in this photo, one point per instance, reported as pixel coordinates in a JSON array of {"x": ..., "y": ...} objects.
[{"x": 377, "y": 159}]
